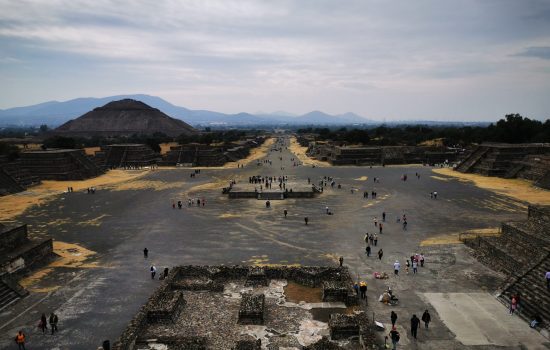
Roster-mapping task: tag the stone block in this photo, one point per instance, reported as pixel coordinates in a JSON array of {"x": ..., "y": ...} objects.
[
  {"x": 343, "y": 326},
  {"x": 252, "y": 309}
]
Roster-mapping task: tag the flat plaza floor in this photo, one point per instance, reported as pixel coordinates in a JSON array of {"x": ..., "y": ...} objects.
[{"x": 95, "y": 298}]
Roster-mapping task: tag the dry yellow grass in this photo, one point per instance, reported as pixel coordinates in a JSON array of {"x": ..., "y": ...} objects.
[
  {"x": 70, "y": 256},
  {"x": 300, "y": 153},
  {"x": 165, "y": 147},
  {"x": 453, "y": 238},
  {"x": 91, "y": 150},
  {"x": 519, "y": 189},
  {"x": 16, "y": 204},
  {"x": 362, "y": 178},
  {"x": 93, "y": 222},
  {"x": 255, "y": 154},
  {"x": 229, "y": 216},
  {"x": 432, "y": 143},
  {"x": 145, "y": 185},
  {"x": 30, "y": 146}
]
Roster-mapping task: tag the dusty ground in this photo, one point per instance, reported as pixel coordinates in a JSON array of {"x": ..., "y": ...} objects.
[
  {"x": 519, "y": 189},
  {"x": 96, "y": 300},
  {"x": 165, "y": 147},
  {"x": 300, "y": 153},
  {"x": 16, "y": 204},
  {"x": 91, "y": 150}
]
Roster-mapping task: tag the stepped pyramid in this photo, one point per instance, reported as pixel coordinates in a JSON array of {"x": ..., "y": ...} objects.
[{"x": 124, "y": 118}]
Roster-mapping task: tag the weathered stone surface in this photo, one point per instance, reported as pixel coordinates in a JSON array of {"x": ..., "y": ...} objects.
[
  {"x": 257, "y": 277},
  {"x": 343, "y": 326},
  {"x": 223, "y": 319},
  {"x": 252, "y": 309}
]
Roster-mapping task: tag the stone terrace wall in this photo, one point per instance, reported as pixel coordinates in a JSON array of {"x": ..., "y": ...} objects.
[
  {"x": 539, "y": 213},
  {"x": 10, "y": 239},
  {"x": 19, "y": 263}
]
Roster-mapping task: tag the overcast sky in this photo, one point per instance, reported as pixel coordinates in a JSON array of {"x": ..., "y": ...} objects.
[{"x": 439, "y": 60}]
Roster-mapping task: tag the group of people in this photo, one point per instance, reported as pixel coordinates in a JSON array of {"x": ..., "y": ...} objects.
[
  {"x": 153, "y": 268},
  {"x": 415, "y": 259},
  {"x": 366, "y": 194},
  {"x": 43, "y": 324},
  {"x": 190, "y": 202},
  {"x": 21, "y": 338},
  {"x": 415, "y": 323}
]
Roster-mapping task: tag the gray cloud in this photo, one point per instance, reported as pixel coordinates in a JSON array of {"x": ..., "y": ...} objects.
[
  {"x": 542, "y": 52},
  {"x": 375, "y": 58}
]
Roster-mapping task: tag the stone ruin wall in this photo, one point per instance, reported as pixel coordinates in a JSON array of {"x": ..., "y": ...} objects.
[{"x": 165, "y": 305}]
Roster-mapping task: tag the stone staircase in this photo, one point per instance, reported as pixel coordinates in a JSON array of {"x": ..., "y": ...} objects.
[
  {"x": 469, "y": 162},
  {"x": 522, "y": 252},
  {"x": 8, "y": 185},
  {"x": 87, "y": 167},
  {"x": 544, "y": 181},
  {"x": 22, "y": 176},
  {"x": 7, "y": 295},
  {"x": 534, "y": 296}
]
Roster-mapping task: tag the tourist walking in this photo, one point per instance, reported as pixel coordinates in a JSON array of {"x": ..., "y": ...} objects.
[
  {"x": 415, "y": 267},
  {"x": 367, "y": 238},
  {"x": 285, "y": 212},
  {"x": 384, "y": 216},
  {"x": 368, "y": 250},
  {"x": 421, "y": 259},
  {"x": 426, "y": 318},
  {"x": 43, "y": 324},
  {"x": 341, "y": 260},
  {"x": 53, "y": 322},
  {"x": 396, "y": 267},
  {"x": 415, "y": 321},
  {"x": 371, "y": 239},
  {"x": 407, "y": 265},
  {"x": 547, "y": 276},
  {"x": 356, "y": 288},
  {"x": 20, "y": 340},
  {"x": 306, "y": 220},
  {"x": 380, "y": 254},
  {"x": 376, "y": 239},
  {"x": 145, "y": 253},
  {"x": 363, "y": 289},
  {"x": 380, "y": 227},
  {"x": 393, "y": 318},
  {"x": 153, "y": 271},
  {"x": 394, "y": 336},
  {"x": 513, "y": 305}
]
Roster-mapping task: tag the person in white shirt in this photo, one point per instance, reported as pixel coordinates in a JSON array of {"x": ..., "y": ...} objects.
[{"x": 396, "y": 267}]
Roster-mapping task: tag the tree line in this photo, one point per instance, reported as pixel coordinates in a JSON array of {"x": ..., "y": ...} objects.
[{"x": 513, "y": 128}]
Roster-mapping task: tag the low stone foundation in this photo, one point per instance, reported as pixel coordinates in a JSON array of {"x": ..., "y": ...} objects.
[
  {"x": 257, "y": 277},
  {"x": 166, "y": 308},
  {"x": 343, "y": 326},
  {"x": 248, "y": 343},
  {"x": 222, "y": 307},
  {"x": 252, "y": 309}
]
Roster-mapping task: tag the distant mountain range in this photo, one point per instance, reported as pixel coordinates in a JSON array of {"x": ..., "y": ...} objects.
[{"x": 55, "y": 113}]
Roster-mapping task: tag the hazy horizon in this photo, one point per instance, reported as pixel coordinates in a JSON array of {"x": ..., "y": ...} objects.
[{"x": 429, "y": 60}]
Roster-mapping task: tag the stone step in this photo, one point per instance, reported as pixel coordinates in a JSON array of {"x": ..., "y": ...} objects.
[
  {"x": 7, "y": 295},
  {"x": 534, "y": 294}
]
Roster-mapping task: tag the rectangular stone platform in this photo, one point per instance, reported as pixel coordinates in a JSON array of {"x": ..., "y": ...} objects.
[{"x": 292, "y": 190}]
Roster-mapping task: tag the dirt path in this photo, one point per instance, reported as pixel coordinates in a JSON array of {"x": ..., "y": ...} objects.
[{"x": 300, "y": 153}]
